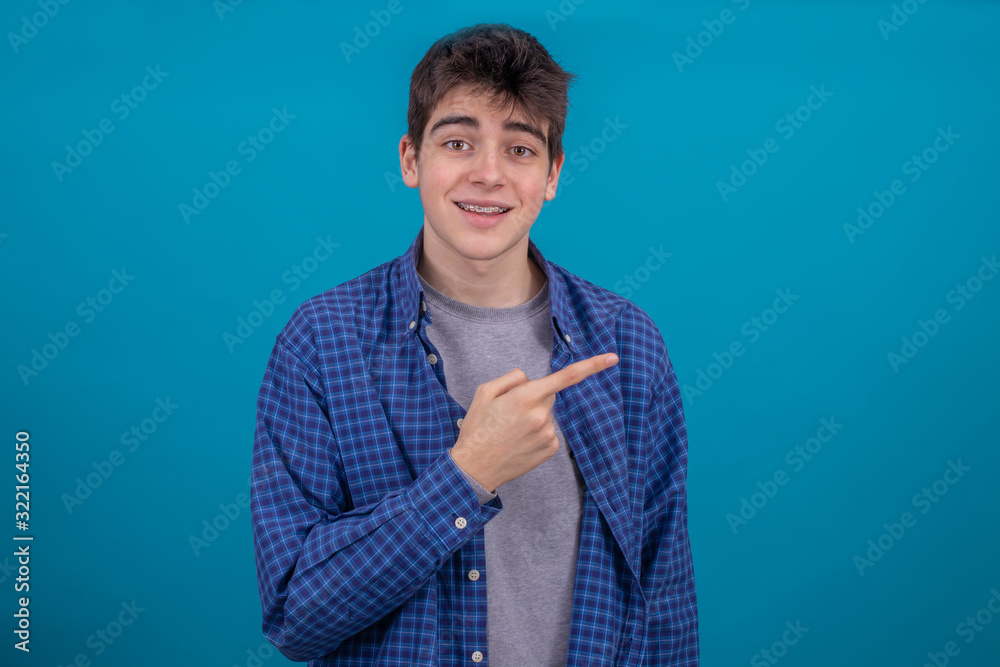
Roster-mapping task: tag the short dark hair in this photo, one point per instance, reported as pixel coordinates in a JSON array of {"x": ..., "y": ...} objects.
[{"x": 508, "y": 65}]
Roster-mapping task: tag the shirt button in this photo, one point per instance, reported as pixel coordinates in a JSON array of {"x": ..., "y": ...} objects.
[
  {"x": 460, "y": 522},
  {"x": 423, "y": 304},
  {"x": 565, "y": 336},
  {"x": 473, "y": 575},
  {"x": 413, "y": 324},
  {"x": 477, "y": 656},
  {"x": 432, "y": 358},
  {"x": 459, "y": 422}
]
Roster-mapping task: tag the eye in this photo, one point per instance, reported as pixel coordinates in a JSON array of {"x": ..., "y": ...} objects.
[
  {"x": 527, "y": 151},
  {"x": 452, "y": 143}
]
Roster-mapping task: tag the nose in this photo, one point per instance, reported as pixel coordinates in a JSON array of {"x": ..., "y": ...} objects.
[{"x": 487, "y": 167}]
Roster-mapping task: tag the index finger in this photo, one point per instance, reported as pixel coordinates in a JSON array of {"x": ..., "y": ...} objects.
[{"x": 575, "y": 372}]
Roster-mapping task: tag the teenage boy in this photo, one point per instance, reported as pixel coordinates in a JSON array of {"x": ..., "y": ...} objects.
[{"x": 470, "y": 455}]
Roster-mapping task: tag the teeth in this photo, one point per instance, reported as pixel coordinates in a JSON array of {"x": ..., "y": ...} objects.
[{"x": 483, "y": 209}]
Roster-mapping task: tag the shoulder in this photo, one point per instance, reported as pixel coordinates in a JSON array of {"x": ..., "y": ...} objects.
[
  {"x": 610, "y": 315},
  {"x": 631, "y": 323},
  {"x": 354, "y": 310}
]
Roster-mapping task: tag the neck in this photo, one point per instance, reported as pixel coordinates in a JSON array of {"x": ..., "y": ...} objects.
[{"x": 509, "y": 279}]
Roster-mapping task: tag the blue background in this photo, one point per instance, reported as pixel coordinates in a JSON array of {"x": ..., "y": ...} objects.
[{"x": 334, "y": 172}]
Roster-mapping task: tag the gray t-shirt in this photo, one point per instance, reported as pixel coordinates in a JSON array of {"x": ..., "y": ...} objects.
[{"x": 532, "y": 544}]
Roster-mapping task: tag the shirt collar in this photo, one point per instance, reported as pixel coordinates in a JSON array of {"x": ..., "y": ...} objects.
[{"x": 415, "y": 307}]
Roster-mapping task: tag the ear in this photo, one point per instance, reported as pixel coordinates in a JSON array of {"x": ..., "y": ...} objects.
[
  {"x": 553, "y": 182},
  {"x": 408, "y": 162}
]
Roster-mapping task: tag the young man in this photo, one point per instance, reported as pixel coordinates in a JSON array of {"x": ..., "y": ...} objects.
[{"x": 469, "y": 455}]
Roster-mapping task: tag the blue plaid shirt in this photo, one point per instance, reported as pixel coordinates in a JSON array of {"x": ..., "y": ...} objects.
[{"x": 365, "y": 530}]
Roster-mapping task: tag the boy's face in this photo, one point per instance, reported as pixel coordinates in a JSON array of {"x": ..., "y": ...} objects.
[{"x": 473, "y": 155}]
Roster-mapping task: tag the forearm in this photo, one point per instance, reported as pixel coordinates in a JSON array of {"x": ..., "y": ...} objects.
[
  {"x": 668, "y": 584},
  {"x": 667, "y": 567},
  {"x": 324, "y": 581}
]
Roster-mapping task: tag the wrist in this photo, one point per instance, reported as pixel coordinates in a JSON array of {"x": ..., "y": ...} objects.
[{"x": 471, "y": 471}]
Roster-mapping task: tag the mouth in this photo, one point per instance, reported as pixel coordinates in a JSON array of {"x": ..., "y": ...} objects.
[{"x": 485, "y": 211}]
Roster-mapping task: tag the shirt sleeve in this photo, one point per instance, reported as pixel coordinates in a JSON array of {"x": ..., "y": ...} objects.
[
  {"x": 668, "y": 571},
  {"x": 326, "y": 571}
]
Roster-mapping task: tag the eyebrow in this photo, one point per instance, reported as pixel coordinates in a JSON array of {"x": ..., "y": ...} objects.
[{"x": 510, "y": 126}]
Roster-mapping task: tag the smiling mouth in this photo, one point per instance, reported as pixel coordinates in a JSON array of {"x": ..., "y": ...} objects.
[{"x": 486, "y": 210}]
